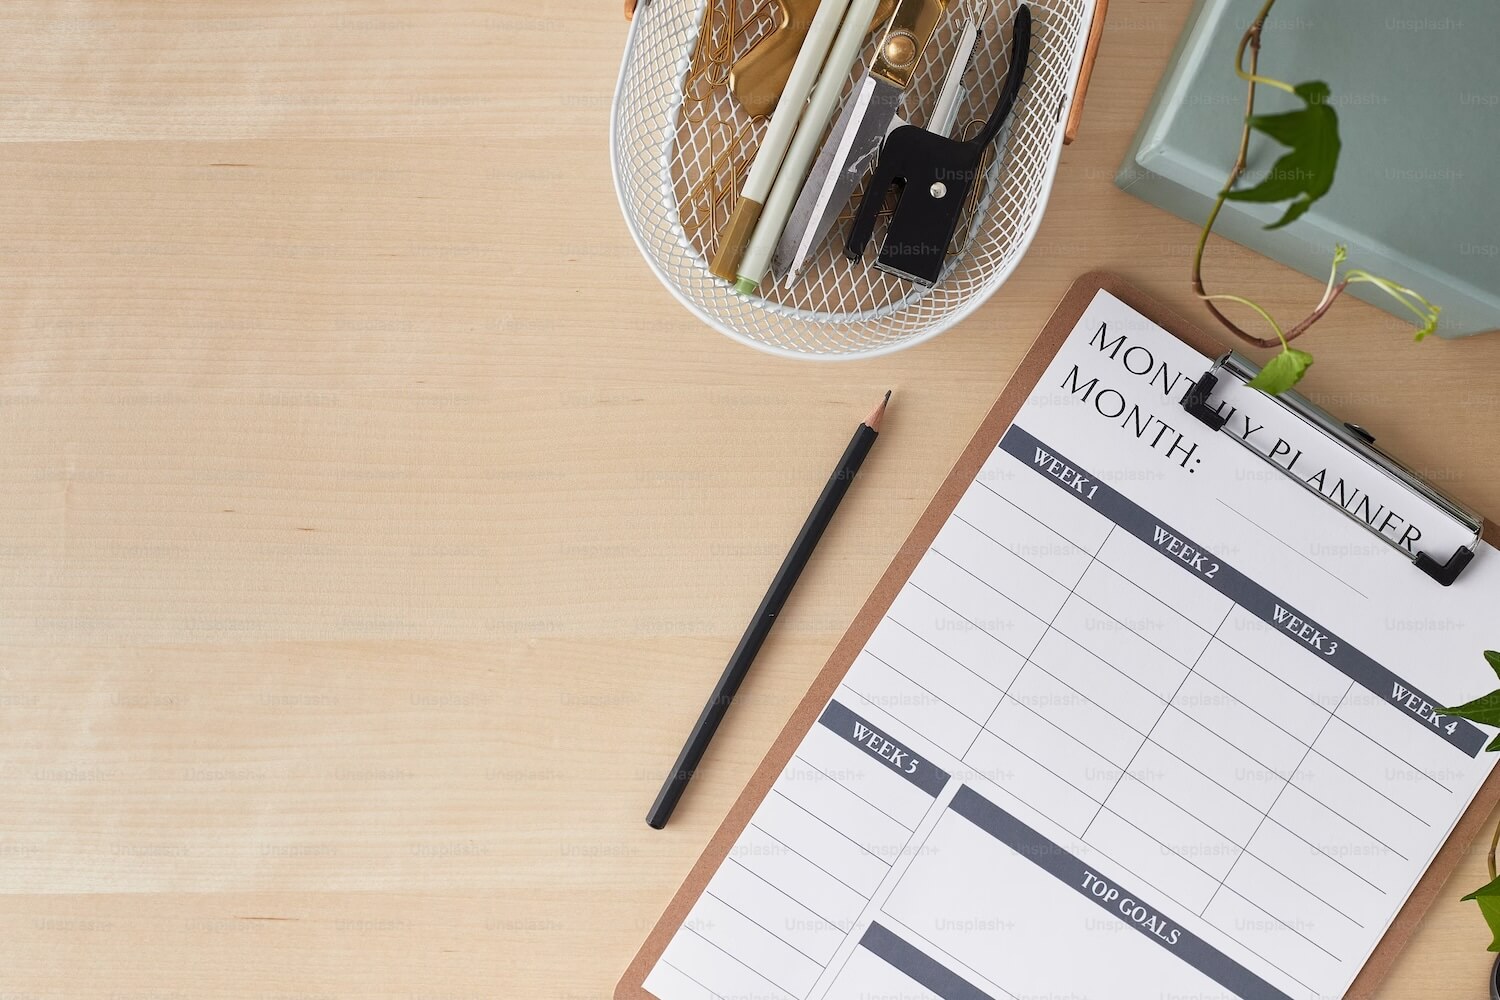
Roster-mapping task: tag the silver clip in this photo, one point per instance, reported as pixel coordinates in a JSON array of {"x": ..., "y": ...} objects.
[{"x": 1357, "y": 441}]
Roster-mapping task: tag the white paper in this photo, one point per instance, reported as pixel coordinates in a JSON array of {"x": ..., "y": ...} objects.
[{"x": 1148, "y": 720}]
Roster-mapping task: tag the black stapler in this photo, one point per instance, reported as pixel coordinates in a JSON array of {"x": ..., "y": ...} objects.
[{"x": 934, "y": 174}]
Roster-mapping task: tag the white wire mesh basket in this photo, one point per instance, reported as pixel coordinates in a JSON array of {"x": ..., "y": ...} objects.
[{"x": 681, "y": 145}]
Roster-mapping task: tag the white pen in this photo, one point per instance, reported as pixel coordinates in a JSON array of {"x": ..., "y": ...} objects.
[
  {"x": 804, "y": 145},
  {"x": 773, "y": 146}
]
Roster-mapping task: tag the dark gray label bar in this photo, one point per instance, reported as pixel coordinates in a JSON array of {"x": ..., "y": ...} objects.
[
  {"x": 1124, "y": 904},
  {"x": 894, "y": 755},
  {"x": 1242, "y": 590},
  {"x": 924, "y": 970}
]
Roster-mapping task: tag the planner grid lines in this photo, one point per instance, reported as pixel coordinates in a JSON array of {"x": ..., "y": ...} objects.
[
  {"x": 1125, "y": 771},
  {"x": 823, "y": 840},
  {"x": 793, "y": 851},
  {"x": 1278, "y": 798},
  {"x": 909, "y": 828},
  {"x": 1060, "y": 626},
  {"x": 1072, "y": 719},
  {"x": 1136, "y": 707}
]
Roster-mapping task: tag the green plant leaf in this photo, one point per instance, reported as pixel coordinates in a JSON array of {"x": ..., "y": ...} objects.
[
  {"x": 1483, "y": 710},
  {"x": 1305, "y": 173},
  {"x": 1488, "y": 898},
  {"x": 1282, "y": 372}
]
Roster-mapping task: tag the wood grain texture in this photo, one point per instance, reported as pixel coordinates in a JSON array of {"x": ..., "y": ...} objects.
[{"x": 374, "y": 523}]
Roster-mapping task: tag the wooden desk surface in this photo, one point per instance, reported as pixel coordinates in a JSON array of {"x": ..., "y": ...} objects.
[{"x": 374, "y": 522}]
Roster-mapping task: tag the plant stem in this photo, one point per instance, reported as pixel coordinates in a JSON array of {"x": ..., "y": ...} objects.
[
  {"x": 1333, "y": 292},
  {"x": 1412, "y": 300},
  {"x": 1250, "y": 40},
  {"x": 1270, "y": 321}
]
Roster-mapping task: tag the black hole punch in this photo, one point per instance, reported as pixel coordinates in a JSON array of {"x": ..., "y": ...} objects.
[{"x": 913, "y": 159}]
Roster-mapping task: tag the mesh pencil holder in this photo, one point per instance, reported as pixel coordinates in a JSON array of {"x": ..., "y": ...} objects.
[{"x": 681, "y": 145}]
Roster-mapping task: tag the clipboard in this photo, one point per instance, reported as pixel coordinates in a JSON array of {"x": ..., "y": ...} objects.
[{"x": 996, "y": 422}]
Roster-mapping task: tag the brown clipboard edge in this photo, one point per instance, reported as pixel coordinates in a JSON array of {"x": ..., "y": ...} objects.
[{"x": 1028, "y": 373}]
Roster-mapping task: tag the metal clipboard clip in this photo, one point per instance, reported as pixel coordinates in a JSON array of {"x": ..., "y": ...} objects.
[{"x": 1354, "y": 439}]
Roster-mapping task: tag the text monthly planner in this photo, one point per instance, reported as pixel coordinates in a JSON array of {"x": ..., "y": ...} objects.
[{"x": 1147, "y": 720}]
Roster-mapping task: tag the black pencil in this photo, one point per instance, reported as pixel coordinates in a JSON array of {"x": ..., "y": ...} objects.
[{"x": 765, "y": 617}]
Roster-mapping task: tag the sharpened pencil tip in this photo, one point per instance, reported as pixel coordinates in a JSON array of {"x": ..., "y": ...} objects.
[{"x": 878, "y": 414}]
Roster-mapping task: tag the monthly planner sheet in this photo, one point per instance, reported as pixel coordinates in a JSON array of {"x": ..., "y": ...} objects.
[{"x": 1148, "y": 719}]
